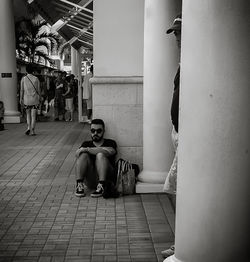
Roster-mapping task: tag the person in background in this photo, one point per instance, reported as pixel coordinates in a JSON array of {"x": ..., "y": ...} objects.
[
  {"x": 30, "y": 95},
  {"x": 51, "y": 92},
  {"x": 170, "y": 183},
  {"x": 75, "y": 91},
  {"x": 1, "y": 115},
  {"x": 59, "y": 101},
  {"x": 69, "y": 106},
  {"x": 95, "y": 161},
  {"x": 87, "y": 92},
  {"x": 43, "y": 89}
]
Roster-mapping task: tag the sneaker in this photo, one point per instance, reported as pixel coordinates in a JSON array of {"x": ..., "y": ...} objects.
[
  {"x": 168, "y": 252},
  {"x": 99, "y": 191},
  {"x": 80, "y": 190}
]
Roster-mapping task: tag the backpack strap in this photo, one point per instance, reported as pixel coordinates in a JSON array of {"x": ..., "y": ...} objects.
[{"x": 33, "y": 85}]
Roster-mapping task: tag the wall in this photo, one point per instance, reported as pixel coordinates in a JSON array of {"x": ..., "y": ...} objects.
[
  {"x": 118, "y": 69},
  {"x": 118, "y": 37}
]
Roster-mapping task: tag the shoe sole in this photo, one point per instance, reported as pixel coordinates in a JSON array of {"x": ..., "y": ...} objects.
[
  {"x": 80, "y": 195},
  {"x": 96, "y": 195}
]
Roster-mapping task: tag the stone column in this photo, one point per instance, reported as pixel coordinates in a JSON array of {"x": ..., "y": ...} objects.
[
  {"x": 160, "y": 65},
  {"x": 79, "y": 78},
  {"x": 212, "y": 216},
  {"x": 8, "y": 77},
  {"x": 76, "y": 70},
  {"x": 74, "y": 61}
]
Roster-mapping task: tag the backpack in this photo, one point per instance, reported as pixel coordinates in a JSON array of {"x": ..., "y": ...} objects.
[{"x": 126, "y": 177}]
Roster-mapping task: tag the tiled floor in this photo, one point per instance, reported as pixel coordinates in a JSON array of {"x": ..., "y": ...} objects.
[{"x": 42, "y": 220}]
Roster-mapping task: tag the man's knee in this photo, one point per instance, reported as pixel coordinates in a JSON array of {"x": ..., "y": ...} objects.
[
  {"x": 101, "y": 157},
  {"x": 83, "y": 158}
]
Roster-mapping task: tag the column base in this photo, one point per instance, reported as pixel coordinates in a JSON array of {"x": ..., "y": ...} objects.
[
  {"x": 142, "y": 187},
  {"x": 152, "y": 177},
  {"x": 12, "y": 119},
  {"x": 171, "y": 259}
]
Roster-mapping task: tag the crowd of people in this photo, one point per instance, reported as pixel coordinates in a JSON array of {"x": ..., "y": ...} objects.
[
  {"x": 65, "y": 93},
  {"x": 39, "y": 94}
]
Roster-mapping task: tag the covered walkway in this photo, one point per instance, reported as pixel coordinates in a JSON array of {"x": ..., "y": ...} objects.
[{"x": 42, "y": 220}]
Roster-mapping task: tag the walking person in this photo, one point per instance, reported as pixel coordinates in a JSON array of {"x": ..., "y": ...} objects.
[
  {"x": 30, "y": 95},
  {"x": 87, "y": 93},
  {"x": 69, "y": 105},
  {"x": 75, "y": 91},
  {"x": 59, "y": 101},
  {"x": 171, "y": 180},
  {"x": 2, "y": 110}
]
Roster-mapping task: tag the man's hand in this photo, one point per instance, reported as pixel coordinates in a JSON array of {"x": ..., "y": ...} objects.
[
  {"x": 81, "y": 150},
  {"x": 108, "y": 151}
]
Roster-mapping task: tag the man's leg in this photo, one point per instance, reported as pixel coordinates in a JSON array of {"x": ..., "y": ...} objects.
[
  {"x": 56, "y": 109},
  {"x": 33, "y": 121},
  {"x": 84, "y": 168},
  {"x": 103, "y": 168},
  {"x": 170, "y": 186},
  {"x": 28, "y": 119},
  {"x": 62, "y": 107}
]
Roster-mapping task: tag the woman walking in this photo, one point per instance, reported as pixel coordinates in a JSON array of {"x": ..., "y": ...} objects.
[
  {"x": 69, "y": 106},
  {"x": 30, "y": 95}
]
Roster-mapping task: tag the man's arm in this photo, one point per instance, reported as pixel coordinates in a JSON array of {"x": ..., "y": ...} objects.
[
  {"x": 21, "y": 91},
  {"x": 59, "y": 85},
  {"x": 108, "y": 151}
]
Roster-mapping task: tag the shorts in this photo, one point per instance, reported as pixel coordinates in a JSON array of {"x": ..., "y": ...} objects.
[
  {"x": 170, "y": 184},
  {"x": 69, "y": 106},
  {"x": 31, "y": 106}
]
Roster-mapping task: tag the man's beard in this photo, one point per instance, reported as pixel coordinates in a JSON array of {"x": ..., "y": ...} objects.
[{"x": 97, "y": 138}]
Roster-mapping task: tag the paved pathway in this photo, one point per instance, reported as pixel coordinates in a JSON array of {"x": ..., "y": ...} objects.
[{"x": 42, "y": 220}]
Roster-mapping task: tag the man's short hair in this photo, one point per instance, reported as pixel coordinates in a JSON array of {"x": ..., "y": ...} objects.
[
  {"x": 29, "y": 69},
  {"x": 98, "y": 122}
]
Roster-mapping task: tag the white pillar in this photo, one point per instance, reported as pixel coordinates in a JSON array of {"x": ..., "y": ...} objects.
[
  {"x": 160, "y": 66},
  {"x": 8, "y": 78},
  {"x": 79, "y": 73},
  {"x": 74, "y": 61},
  {"x": 76, "y": 64},
  {"x": 212, "y": 218}
]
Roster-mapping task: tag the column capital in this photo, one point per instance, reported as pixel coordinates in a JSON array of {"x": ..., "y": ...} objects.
[{"x": 116, "y": 80}]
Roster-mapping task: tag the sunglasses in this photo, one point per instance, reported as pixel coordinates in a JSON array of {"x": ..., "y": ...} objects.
[{"x": 98, "y": 131}]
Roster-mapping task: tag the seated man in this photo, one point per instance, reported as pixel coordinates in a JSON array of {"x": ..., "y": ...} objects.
[{"x": 95, "y": 161}]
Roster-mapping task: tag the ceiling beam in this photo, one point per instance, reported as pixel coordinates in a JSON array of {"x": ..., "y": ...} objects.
[
  {"x": 87, "y": 43},
  {"x": 73, "y": 12},
  {"x": 83, "y": 30},
  {"x": 78, "y": 6}
]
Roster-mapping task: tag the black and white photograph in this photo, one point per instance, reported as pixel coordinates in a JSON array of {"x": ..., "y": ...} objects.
[{"x": 124, "y": 130}]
